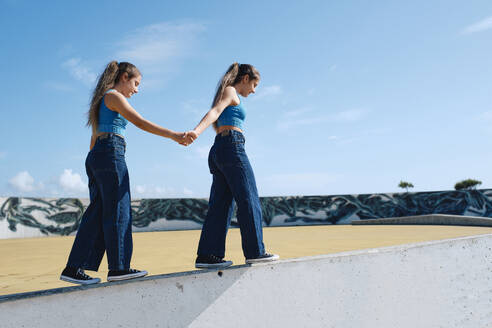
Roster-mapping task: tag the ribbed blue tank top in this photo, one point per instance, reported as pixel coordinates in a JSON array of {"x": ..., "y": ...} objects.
[
  {"x": 111, "y": 121},
  {"x": 232, "y": 115}
]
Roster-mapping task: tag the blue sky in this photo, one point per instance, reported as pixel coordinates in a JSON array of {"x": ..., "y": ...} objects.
[{"x": 355, "y": 95}]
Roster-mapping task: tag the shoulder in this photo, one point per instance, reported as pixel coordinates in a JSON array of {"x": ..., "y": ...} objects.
[
  {"x": 113, "y": 99},
  {"x": 113, "y": 94},
  {"x": 230, "y": 93}
]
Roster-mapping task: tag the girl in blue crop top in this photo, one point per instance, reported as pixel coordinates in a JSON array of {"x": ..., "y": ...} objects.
[
  {"x": 106, "y": 225},
  {"x": 233, "y": 177}
]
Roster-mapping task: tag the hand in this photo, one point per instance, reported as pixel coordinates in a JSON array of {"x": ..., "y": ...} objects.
[
  {"x": 179, "y": 137},
  {"x": 190, "y": 136},
  {"x": 185, "y": 138}
]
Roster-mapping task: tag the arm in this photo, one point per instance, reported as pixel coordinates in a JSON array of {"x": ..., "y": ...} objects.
[
  {"x": 93, "y": 138},
  {"x": 213, "y": 114},
  {"x": 118, "y": 103},
  {"x": 93, "y": 141}
]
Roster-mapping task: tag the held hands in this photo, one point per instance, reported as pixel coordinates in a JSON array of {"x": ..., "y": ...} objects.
[
  {"x": 186, "y": 138},
  {"x": 190, "y": 136}
]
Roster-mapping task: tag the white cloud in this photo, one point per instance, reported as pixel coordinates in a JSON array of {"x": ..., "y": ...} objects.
[
  {"x": 300, "y": 118},
  {"x": 269, "y": 91},
  {"x": 196, "y": 108},
  {"x": 55, "y": 193},
  {"x": 161, "y": 190},
  {"x": 23, "y": 181},
  {"x": 202, "y": 151},
  {"x": 480, "y": 26},
  {"x": 58, "y": 86},
  {"x": 153, "y": 191},
  {"x": 286, "y": 124},
  {"x": 297, "y": 112},
  {"x": 67, "y": 183},
  {"x": 155, "y": 46},
  {"x": 350, "y": 115},
  {"x": 140, "y": 189},
  {"x": 71, "y": 182},
  {"x": 80, "y": 71},
  {"x": 485, "y": 116}
]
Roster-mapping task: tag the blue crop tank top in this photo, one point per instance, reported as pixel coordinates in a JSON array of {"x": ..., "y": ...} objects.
[
  {"x": 232, "y": 115},
  {"x": 111, "y": 121}
]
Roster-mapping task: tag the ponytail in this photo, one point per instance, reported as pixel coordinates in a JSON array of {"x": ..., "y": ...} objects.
[
  {"x": 233, "y": 75},
  {"x": 107, "y": 80}
]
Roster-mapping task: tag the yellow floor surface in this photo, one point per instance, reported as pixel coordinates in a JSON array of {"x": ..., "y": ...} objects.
[{"x": 36, "y": 263}]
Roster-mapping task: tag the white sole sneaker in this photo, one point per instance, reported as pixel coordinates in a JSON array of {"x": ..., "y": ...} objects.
[
  {"x": 273, "y": 257},
  {"x": 140, "y": 274},
  {"x": 80, "y": 282},
  {"x": 213, "y": 266}
]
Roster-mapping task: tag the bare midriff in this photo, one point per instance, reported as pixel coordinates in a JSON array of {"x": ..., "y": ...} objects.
[{"x": 228, "y": 127}]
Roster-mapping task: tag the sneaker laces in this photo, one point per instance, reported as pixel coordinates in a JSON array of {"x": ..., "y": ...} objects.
[
  {"x": 83, "y": 275},
  {"x": 216, "y": 259}
]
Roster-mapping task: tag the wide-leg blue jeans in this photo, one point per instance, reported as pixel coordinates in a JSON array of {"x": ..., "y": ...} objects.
[
  {"x": 106, "y": 224},
  {"x": 233, "y": 179}
]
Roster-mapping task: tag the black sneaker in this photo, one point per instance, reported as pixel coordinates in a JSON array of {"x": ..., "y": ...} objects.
[
  {"x": 77, "y": 276},
  {"x": 211, "y": 262},
  {"x": 263, "y": 258},
  {"x": 117, "y": 275}
]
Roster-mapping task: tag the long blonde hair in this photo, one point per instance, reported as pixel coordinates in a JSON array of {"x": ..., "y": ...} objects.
[
  {"x": 107, "y": 80},
  {"x": 233, "y": 75}
]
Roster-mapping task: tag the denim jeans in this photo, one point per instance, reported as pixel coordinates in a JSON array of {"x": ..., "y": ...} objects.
[
  {"x": 107, "y": 223},
  {"x": 233, "y": 179}
]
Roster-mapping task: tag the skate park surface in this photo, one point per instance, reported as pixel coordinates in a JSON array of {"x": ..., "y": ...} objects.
[{"x": 33, "y": 264}]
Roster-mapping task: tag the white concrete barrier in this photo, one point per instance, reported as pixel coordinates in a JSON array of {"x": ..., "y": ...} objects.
[{"x": 434, "y": 284}]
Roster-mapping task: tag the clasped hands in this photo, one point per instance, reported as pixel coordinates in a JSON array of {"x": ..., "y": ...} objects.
[{"x": 186, "y": 138}]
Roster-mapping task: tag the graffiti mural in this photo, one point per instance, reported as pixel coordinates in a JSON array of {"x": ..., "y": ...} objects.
[
  {"x": 40, "y": 216},
  {"x": 57, "y": 216}
]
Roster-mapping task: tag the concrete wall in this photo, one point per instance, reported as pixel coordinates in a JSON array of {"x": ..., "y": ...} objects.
[
  {"x": 35, "y": 217},
  {"x": 435, "y": 284}
]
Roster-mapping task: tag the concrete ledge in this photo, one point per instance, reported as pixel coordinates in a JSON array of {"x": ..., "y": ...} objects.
[
  {"x": 433, "y": 284},
  {"x": 431, "y": 219},
  {"x": 66, "y": 290}
]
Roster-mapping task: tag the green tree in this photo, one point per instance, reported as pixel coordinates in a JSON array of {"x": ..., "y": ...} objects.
[
  {"x": 467, "y": 184},
  {"x": 405, "y": 185}
]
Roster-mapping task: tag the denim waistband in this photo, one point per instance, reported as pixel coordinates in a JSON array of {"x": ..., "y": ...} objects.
[
  {"x": 230, "y": 136},
  {"x": 112, "y": 138}
]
